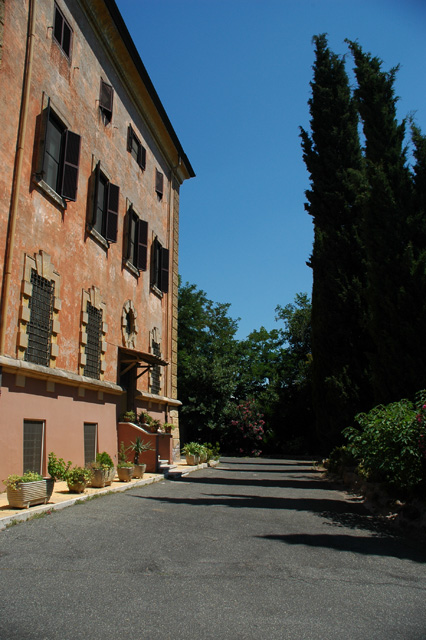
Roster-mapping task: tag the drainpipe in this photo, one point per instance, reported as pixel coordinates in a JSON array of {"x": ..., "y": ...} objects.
[{"x": 17, "y": 172}]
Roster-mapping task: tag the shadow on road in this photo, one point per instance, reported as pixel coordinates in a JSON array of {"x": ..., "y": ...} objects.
[
  {"x": 299, "y": 483},
  {"x": 379, "y": 545}
]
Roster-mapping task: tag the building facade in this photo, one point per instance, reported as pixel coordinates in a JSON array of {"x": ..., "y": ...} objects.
[{"x": 89, "y": 215}]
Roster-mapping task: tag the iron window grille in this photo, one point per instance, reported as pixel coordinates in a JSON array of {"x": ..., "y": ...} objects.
[
  {"x": 92, "y": 368},
  {"x": 39, "y": 328}
]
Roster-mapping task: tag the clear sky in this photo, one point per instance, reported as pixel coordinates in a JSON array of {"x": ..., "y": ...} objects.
[{"x": 233, "y": 76}]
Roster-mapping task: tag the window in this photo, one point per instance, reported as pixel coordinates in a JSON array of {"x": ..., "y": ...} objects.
[
  {"x": 159, "y": 180},
  {"x": 39, "y": 329},
  {"x": 155, "y": 369},
  {"x": 135, "y": 148},
  {"x": 61, "y": 155},
  {"x": 137, "y": 240},
  {"x": 106, "y": 99},
  {"x": 33, "y": 445},
  {"x": 93, "y": 349},
  {"x": 160, "y": 267},
  {"x": 62, "y": 32},
  {"x": 105, "y": 209},
  {"x": 90, "y": 442}
]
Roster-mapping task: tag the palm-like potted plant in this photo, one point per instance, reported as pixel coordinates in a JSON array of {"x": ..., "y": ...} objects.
[
  {"x": 138, "y": 447},
  {"x": 191, "y": 451},
  {"x": 124, "y": 468},
  {"x": 26, "y": 490},
  {"x": 78, "y": 478}
]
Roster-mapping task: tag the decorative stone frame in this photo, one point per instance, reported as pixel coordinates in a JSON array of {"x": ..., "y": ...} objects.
[
  {"x": 42, "y": 265},
  {"x": 93, "y": 296},
  {"x": 129, "y": 339}
]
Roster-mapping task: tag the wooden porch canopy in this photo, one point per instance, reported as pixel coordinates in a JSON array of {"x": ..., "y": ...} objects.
[{"x": 130, "y": 358}]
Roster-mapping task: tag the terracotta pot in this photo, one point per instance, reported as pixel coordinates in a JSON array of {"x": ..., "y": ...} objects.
[
  {"x": 76, "y": 487},
  {"x": 139, "y": 470},
  {"x": 125, "y": 474}
]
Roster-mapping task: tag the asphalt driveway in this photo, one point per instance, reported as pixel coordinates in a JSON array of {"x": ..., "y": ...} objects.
[{"x": 254, "y": 548}]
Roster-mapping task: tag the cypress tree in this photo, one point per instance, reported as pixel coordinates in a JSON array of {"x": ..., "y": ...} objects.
[
  {"x": 333, "y": 157},
  {"x": 388, "y": 232}
]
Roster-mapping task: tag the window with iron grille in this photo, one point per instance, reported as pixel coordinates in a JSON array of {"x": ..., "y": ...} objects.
[
  {"x": 90, "y": 442},
  {"x": 33, "y": 445},
  {"x": 156, "y": 369},
  {"x": 92, "y": 368},
  {"x": 39, "y": 328}
]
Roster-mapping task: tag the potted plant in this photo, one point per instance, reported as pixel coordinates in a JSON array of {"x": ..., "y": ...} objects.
[
  {"x": 139, "y": 447},
  {"x": 57, "y": 469},
  {"x": 191, "y": 451},
  {"x": 26, "y": 490},
  {"x": 78, "y": 478},
  {"x": 124, "y": 468},
  {"x": 106, "y": 461},
  {"x": 168, "y": 427},
  {"x": 148, "y": 422},
  {"x": 128, "y": 416}
]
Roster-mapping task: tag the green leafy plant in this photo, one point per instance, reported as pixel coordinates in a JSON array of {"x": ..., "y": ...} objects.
[
  {"x": 248, "y": 428},
  {"x": 386, "y": 444},
  {"x": 128, "y": 416},
  {"x": 145, "y": 419},
  {"x": 191, "y": 449},
  {"x": 213, "y": 451},
  {"x": 14, "y": 480},
  {"x": 138, "y": 447},
  {"x": 103, "y": 461},
  {"x": 340, "y": 457},
  {"x": 78, "y": 475},
  {"x": 122, "y": 457},
  {"x": 57, "y": 467}
]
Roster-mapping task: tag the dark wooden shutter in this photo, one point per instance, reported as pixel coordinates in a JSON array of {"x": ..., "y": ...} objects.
[
  {"x": 44, "y": 127},
  {"x": 164, "y": 284},
  {"x": 106, "y": 98},
  {"x": 142, "y": 157},
  {"x": 129, "y": 138},
  {"x": 71, "y": 143},
  {"x": 95, "y": 194},
  {"x": 112, "y": 212},
  {"x": 159, "y": 182},
  {"x": 142, "y": 241}
]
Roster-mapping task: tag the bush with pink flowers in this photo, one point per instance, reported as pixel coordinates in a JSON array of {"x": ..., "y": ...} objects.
[{"x": 248, "y": 429}]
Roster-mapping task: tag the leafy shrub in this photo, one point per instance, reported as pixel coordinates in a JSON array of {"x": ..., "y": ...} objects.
[
  {"x": 386, "y": 443},
  {"x": 248, "y": 429},
  {"x": 57, "y": 467},
  {"x": 340, "y": 457},
  {"x": 79, "y": 474},
  {"x": 105, "y": 460}
]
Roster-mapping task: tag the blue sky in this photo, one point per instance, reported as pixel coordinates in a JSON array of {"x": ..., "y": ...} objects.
[{"x": 233, "y": 76}]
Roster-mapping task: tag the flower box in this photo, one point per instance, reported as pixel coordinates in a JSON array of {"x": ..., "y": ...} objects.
[{"x": 27, "y": 494}]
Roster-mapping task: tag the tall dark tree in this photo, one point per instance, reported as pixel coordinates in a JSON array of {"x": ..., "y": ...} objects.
[
  {"x": 333, "y": 157},
  {"x": 389, "y": 232}
]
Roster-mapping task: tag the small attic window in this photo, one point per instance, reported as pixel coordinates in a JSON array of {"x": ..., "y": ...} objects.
[{"x": 62, "y": 32}]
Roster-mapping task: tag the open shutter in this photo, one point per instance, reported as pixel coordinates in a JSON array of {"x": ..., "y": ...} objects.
[
  {"x": 159, "y": 182},
  {"x": 129, "y": 138},
  {"x": 95, "y": 194},
  {"x": 142, "y": 240},
  {"x": 164, "y": 270},
  {"x": 106, "y": 98},
  {"x": 142, "y": 157},
  {"x": 44, "y": 132},
  {"x": 112, "y": 212},
  {"x": 70, "y": 165}
]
